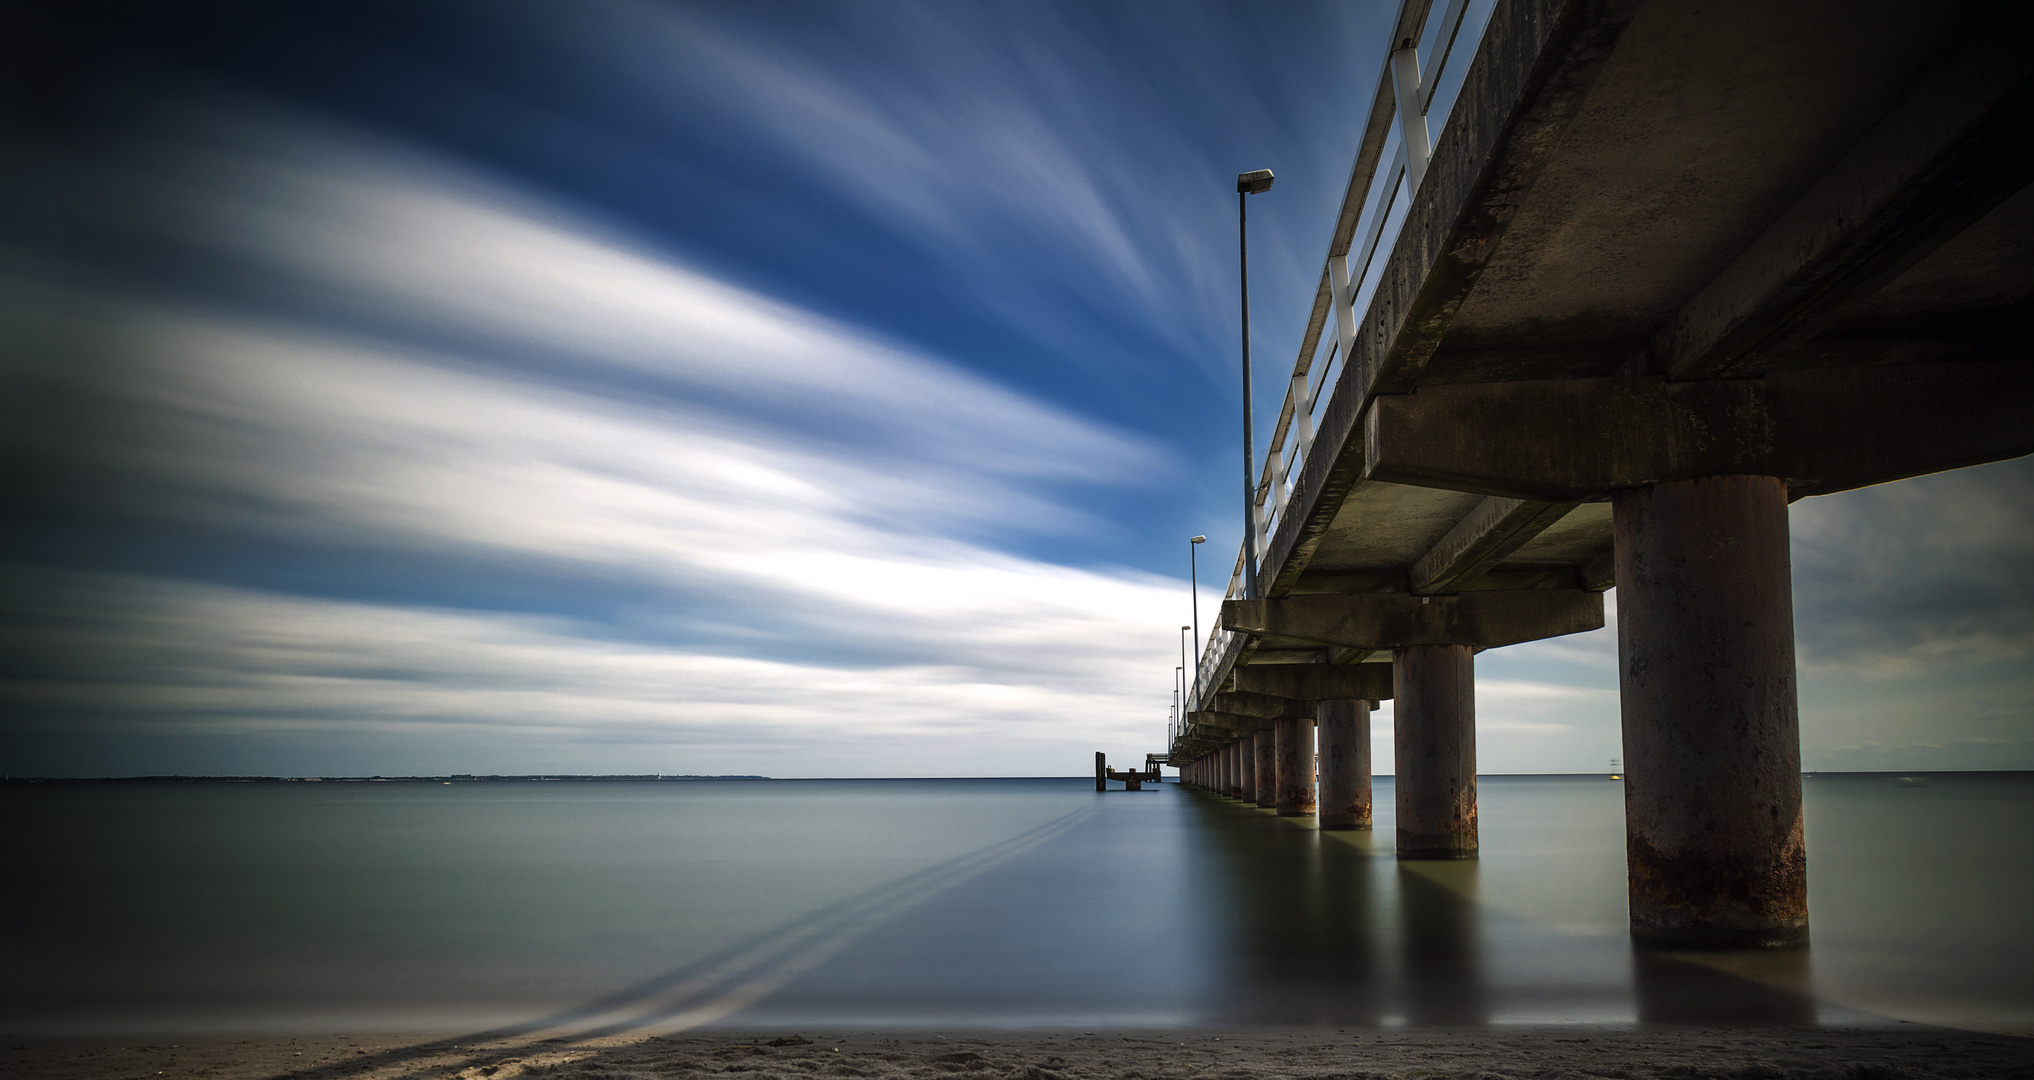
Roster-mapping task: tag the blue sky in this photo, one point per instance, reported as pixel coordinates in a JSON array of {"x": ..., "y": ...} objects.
[{"x": 798, "y": 389}]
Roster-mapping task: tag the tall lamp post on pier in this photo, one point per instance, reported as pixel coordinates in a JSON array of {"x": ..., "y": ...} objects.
[
  {"x": 1194, "y": 575},
  {"x": 1251, "y": 183}
]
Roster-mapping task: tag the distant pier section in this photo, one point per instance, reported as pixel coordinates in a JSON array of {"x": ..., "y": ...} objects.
[{"x": 1131, "y": 779}]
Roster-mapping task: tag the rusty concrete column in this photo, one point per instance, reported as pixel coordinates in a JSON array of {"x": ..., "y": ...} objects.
[
  {"x": 1294, "y": 736},
  {"x": 1343, "y": 728},
  {"x": 1267, "y": 767},
  {"x": 1712, "y": 742},
  {"x": 1246, "y": 747},
  {"x": 1101, "y": 771},
  {"x": 1434, "y": 743},
  {"x": 1229, "y": 770}
]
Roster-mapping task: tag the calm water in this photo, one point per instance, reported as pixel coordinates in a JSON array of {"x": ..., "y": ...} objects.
[{"x": 583, "y": 907}]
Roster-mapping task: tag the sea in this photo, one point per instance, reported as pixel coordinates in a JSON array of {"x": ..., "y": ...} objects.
[{"x": 605, "y": 907}]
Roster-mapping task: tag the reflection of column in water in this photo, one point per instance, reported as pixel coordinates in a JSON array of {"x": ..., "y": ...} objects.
[
  {"x": 1443, "y": 944},
  {"x": 1300, "y": 924},
  {"x": 1737, "y": 987}
]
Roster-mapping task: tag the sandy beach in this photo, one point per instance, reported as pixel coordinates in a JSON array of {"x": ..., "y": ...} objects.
[{"x": 1564, "y": 1051}]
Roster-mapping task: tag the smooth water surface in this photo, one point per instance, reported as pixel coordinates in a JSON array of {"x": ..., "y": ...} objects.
[{"x": 620, "y": 906}]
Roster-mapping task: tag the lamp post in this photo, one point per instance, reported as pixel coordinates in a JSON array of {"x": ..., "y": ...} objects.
[
  {"x": 1247, "y": 184},
  {"x": 1183, "y": 669},
  {"x": 1194, "y": 574},
  {"x": 1179, "y": 697}
]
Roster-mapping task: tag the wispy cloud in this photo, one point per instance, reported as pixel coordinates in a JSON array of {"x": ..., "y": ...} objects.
[
  {"x": 1037, "y": 152},
  {"x": 510, "y": 391},
  {"x": 419, "y": 687}
]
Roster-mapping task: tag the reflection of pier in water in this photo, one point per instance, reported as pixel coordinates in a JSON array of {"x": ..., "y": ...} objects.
[
  {"x": 1323, "y": 928},
  {"x": 1611, "y": 286}
]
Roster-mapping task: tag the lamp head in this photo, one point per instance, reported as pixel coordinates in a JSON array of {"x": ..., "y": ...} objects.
[
  {"x": 1256, "y": 182},
  {"x": 1198, "y": 540},
  {"x": 1186, "y": 628}
]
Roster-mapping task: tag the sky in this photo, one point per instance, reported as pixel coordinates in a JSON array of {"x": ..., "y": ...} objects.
[{"x": 792, "y": 389}]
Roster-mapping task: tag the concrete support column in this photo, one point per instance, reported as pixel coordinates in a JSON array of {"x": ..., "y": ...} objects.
[
  {"x": 1712, "y": 744},
  {"x": 1267, "y": 768},
  {"x": 1343, "y": 729},
  {"x": 1229, "y": 770},
  {"x": 1295, "y": 741},
  {"x": 1434, "y": 739},
  {"x": 1246, "y": 749}
]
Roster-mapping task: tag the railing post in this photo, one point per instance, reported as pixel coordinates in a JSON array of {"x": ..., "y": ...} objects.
[
  {"x": 1343, "y": 299},
  {"x": 1412, "y": 119},
  {"x": 1303, "y": 415}
]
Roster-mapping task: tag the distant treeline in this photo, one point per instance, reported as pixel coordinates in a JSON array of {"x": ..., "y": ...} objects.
[{"x": 447, "y": 779}]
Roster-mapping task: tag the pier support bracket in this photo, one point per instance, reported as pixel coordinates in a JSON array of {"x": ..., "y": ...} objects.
[{"x": 1391, "y": 620}]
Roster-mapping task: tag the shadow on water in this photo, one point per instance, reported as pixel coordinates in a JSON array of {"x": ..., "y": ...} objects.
[
  {"x": 1441, "y": 938},
  {"x": 1332, "y": 929},
  {"x": 1299, "y": 931},
  {"x": 1328, "y": 929},
  {"x": 1727, "y": 988}
]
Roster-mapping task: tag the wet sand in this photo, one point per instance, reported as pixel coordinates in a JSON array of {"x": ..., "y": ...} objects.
[{"x": 1881, "y": 1053}]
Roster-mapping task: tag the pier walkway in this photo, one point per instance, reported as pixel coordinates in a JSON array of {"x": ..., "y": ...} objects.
[{"x": 1613, "y": 283}]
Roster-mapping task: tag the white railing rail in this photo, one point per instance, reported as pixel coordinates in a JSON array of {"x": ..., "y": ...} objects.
[{"x": 1403, "y": 116}]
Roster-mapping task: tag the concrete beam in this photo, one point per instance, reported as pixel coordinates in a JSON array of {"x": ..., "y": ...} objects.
[
  {"x": 1263, "y": 706},
  {"x": 1227, "y": 721},
  {"x": 1956, "y": 147},
  {"x": 1494, "y": 529},
  {"x": 1317, "y": 682},
  {"x": 1392, "y": 620},
  {"x": 1821, "y": 430}
]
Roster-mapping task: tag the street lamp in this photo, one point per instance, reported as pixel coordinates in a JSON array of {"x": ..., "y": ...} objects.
[
  {"x": 1179, "y": 695},
  {"x": 1247, "y": 184},
  {"x": 1183, "y": 670},
  {"x": 1194, "y": 573}
]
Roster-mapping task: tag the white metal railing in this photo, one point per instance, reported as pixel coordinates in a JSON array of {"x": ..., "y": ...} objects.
[{"x": 1422, "y": 77}]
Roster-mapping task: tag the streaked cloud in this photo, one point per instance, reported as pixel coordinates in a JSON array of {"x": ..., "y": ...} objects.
[
  {"x": 520, "y": 392},
  {"x": 419, "y": 689}
]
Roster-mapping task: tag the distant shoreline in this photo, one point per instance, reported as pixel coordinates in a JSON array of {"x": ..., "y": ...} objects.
[{"x": 524, "y": 778}]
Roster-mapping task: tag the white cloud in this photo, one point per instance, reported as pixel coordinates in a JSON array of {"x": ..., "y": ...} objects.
[
  {"x": 405, "y": 238},
  {"x": 126, "y": 655},
  {"x": 790, "y": 484}
]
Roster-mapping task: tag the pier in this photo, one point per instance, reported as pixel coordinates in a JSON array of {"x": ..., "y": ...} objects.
[{"x": 1613, "y": 283}]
